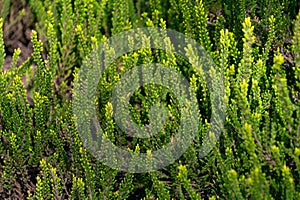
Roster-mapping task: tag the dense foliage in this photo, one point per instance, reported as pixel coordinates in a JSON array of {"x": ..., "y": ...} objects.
[{"x": 255, "y": 44}]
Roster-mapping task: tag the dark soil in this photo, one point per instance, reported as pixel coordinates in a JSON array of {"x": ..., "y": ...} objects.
[{"x": 17, "y": 32}]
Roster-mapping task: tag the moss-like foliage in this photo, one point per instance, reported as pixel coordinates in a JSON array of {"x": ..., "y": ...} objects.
[{"x": 256, "y": 47}]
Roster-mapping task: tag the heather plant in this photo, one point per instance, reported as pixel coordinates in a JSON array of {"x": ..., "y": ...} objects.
[{"x": 254, "y": 45}]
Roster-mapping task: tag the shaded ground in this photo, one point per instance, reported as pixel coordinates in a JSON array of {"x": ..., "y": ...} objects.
[{"x": 17, "y": 32}]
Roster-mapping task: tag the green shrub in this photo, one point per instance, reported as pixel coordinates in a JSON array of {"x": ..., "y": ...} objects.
[{"x": 257, "y": 155}]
